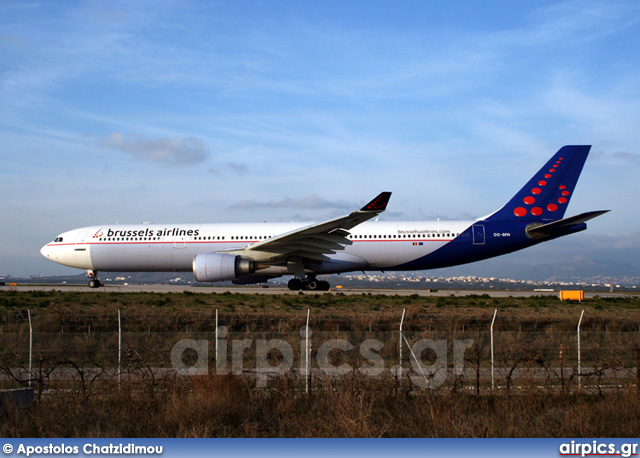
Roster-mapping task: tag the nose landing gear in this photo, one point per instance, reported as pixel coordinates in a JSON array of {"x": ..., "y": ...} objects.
[
  {"x": 309, "y": 283},
  {"x": 94, "y": 281}
]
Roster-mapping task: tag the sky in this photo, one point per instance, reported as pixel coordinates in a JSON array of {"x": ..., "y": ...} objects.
[{"x": 232, "y": 111}]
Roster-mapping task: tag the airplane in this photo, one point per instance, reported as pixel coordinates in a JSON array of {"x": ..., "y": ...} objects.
[{"x": 249, "y": 253}]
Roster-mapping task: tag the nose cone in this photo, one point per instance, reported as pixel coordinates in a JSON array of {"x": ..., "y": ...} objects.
[{"x": 46, "y": 251}]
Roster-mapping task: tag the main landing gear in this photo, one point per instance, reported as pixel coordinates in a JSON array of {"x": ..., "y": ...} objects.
[
  {"x": 309, "y": 283},
  {"x": 94, "y": 281}
]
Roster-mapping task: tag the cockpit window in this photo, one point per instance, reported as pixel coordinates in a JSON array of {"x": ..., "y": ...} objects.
[{"x": 58, "y": 239}]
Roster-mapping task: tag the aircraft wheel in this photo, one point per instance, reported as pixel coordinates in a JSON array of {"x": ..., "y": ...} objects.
[
  {"x": 294, "y": 284},
  {"x": 94, "y": 283},
  {"x": 312, "y": 285}
]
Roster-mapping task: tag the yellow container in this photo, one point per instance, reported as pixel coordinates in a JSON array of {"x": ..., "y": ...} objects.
[{"x": 572, "y": 296}]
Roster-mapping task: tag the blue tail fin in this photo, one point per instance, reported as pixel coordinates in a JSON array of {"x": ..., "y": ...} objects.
[{"x": 546, "y": 196}]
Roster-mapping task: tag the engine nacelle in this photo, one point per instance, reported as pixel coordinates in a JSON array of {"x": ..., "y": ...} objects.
[{"x": 220, "y": 267}]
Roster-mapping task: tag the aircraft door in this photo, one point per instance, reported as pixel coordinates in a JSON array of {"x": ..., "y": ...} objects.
[
  {"x": 478, "y": 234},
  {"x": 180, "y": 241},
  {"x": 80, "y": 257}
]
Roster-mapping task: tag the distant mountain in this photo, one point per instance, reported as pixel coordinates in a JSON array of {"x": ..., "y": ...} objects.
[{"x": 576, "y": 269}]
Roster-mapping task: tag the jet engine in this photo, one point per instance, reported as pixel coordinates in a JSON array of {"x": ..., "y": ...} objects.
[{"x": 220, "y": 267}]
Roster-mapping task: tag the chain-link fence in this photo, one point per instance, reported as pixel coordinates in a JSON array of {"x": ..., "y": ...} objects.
[{"x": 480, "y": 360}]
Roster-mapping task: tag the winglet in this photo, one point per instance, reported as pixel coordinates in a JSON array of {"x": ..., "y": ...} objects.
[{"x": 379, "y": 204}]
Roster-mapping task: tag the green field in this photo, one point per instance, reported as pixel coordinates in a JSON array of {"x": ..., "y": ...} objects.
[{"x": 328, "y": 311}]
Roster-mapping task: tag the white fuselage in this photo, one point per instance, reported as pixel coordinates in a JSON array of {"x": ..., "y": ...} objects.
[{"x": 172, "y": 247}]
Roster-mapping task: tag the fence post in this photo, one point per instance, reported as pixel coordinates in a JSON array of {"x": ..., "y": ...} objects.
[
  {"x": 415, "y": 358},
  {"x": 579, "y": 355},
  {"x": 30, "y": 346},
  {"x": 216, "y": 344},
  {"x": 119, "y": 348},
  {"x": 307, "y": 354},
  {"x": 399, "y": 373},
  {"x": 495, "y": 312}
]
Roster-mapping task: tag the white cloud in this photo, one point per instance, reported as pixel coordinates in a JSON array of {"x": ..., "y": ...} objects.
[
  {"x": 175, "y": 152},
  {"x": 312, "y": 201}
]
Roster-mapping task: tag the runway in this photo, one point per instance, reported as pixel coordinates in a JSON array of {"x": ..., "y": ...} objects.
[{"x": 274, "y": 290}]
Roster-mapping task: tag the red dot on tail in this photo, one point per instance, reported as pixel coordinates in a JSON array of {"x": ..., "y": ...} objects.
[
  {"x": 563, "y": 187},
  {"x": 565, "y": 193},
  {"x": 562, "y": 200},
  {"x": 520, "y": 211},
  {"x": 548, "y": 175},
  {"x": 542, "y": 183},
  {"x": 529, "y": 200},
  {"x": 536, "y": 191},
  {"x": 552, "y": 170},
  {"x": 536, "y": 211},
  {"x": 552, "y": 207}
]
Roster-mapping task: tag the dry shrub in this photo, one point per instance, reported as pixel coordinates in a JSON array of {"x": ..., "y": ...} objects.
[{"x": 230, "y": 406}]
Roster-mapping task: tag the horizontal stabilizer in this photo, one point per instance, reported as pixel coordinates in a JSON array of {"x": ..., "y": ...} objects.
[{"x": 563, "y": 224}]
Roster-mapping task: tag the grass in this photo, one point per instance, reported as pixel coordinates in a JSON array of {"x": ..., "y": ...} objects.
[{"x": 73, "y": 310}]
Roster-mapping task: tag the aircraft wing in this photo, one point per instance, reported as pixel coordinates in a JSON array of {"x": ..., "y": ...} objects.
[{"x": 316, "y": 241}]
